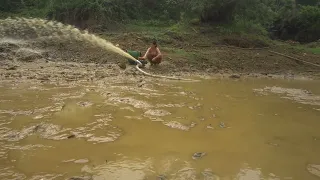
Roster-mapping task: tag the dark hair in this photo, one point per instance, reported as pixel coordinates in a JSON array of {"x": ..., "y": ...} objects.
[{"x": 155, "y": 43}]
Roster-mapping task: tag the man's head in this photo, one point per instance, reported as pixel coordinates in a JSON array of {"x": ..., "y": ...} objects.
[{"x": 154, "y": 44}]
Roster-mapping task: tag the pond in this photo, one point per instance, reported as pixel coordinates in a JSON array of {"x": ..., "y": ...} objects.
[{"x": 248, "y": 129}]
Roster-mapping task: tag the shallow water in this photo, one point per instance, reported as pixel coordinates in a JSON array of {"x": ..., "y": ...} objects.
[{"x": 248, "y": 129}]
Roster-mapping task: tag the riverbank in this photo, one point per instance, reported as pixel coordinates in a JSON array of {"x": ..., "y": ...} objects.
[{"x": 185, "y": 55}]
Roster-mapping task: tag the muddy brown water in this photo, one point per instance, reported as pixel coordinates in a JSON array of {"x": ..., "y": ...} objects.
[{"x": 248, "y": 129}]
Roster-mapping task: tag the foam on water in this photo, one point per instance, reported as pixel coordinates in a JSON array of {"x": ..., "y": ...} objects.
[{"x": 298, "y": 95}]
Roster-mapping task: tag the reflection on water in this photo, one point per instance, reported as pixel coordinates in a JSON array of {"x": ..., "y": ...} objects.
[{"x": 246, "y": 130}]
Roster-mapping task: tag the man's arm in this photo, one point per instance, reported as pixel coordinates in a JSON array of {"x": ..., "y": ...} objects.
[
  {"x": 158, "y": 52},
  {"x": 145, "y": 55}
]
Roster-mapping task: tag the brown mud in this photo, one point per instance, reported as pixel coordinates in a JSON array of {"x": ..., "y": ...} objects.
[{"x": 56, "y": 61}]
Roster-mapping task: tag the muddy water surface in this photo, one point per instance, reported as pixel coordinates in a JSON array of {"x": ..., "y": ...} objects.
[{"x": 213, "y": 129}]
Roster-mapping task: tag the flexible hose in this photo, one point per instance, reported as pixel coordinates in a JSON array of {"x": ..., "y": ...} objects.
[{"x": 157, "y": 76}]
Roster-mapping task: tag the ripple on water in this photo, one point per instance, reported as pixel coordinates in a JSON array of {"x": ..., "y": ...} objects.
[
  {"x": 40, "y": 116},
  {"x": 43, "y": 176},
  {"x": 104, "y": 139},
  {"x": 81, "y": 161},
  {"x": 176, "y": 125},
  {"x": 127, "y": 108},
  {"x": 157, "y": 112},
  {"x": 64, "y": 96},
  {"x": 140, "y": 169},
  {"x": 15, "y": 113},
  {"x": 84, "y": 104},
  {"x": 171, "y": 105},
  {"x": 100, "y": 131},
  {"x": 9, "y": 173},
  {"x": 249, "y": 173},
  {"x": 15, "y": 135},
  {"x": 314, "y": 169},
  {"x": 44, "y": 130},
  {"x": 298, "y": 95},
  {"x": 185, "y": 173},
  {"x": 122, "y": 169},
  {"x": 26, "y": 147},
  {"x": 131, "y": 101}
]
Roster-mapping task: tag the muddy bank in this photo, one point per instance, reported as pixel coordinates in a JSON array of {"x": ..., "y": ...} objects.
[
  {"x": 60, "y": 61},
  {"x": 214, "y": 54}
]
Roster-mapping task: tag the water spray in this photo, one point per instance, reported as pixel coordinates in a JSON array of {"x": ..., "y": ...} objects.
[{"x": 45, "y": 29}]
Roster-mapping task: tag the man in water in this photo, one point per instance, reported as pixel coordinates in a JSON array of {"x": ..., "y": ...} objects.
[{"x": 153, "y": 54}]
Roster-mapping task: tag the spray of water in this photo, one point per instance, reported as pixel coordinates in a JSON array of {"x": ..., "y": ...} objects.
[
  {"x": 51, "y": 29},
  {"x": 33, "y": 28}
]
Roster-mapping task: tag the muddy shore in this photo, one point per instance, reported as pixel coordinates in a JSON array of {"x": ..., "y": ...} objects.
[{"x": 53, "y": 62}]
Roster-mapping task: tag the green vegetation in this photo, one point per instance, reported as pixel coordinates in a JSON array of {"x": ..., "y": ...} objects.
[
  {"x": 298, "y": 20},
  {"x": 313, "y": 50}
]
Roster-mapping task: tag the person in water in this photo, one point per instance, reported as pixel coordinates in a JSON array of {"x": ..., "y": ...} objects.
[{"x": 153, "y": 54}]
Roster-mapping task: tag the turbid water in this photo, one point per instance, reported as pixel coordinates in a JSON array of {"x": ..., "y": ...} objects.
[{"x": 214, "y": 129}]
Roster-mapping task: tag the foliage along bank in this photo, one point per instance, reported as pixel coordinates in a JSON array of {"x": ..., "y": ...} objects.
[{"x": 297, "y": 20}]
